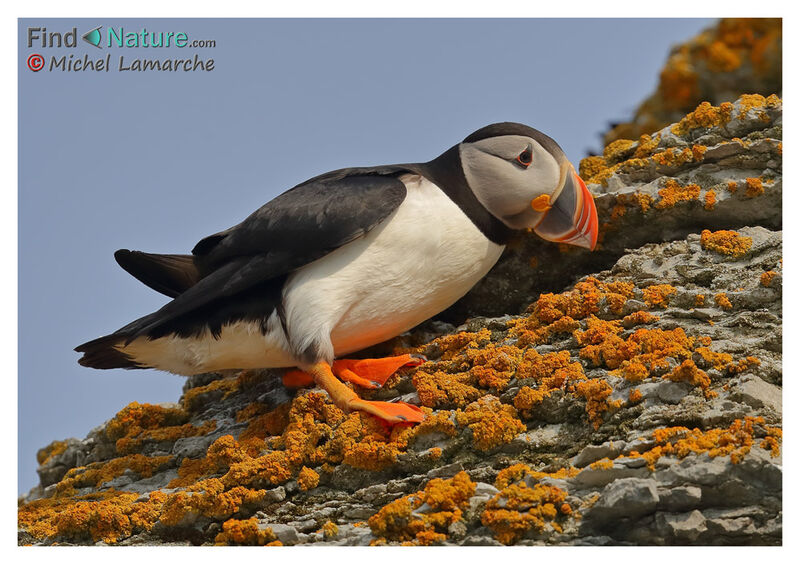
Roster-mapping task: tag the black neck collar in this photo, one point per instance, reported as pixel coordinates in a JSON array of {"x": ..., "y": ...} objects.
[{"x": 447, "y": 173}]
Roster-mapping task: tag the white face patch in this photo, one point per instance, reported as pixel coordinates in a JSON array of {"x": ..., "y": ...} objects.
[{"x": 504, "y": 185}]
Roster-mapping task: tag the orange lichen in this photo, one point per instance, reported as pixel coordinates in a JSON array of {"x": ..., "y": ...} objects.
[
  {"x": 638, "y": 318},
  {"x": 135, "y": 418},
  {"x": 618, "y": 211},
  {"x": 445, "y": 500},
  {"x": 127, "y": 445},
  {"x": 220, "y": 455},
  {"x": 743, "y": 364},
  {"x": 493, "y": 366},
  {"x": 602, "y": 464},
  {"x": 687, "y": 371},
  {"x": 103, "y": 516},
  {"x": 438, "y": 422},
  {"x": 519, "y": 508},
  {"x": 706, "y": 116},
  {"x": 208, "y": 498},
  {"x": 732, "y": 186},
  {"x": 441, "y": 389},
  {"x": 492, "y": 423},
  {"x": 673, "y": 192},
  {"x": 602, "y": 345},
  {"x": 647, "y": 145},
  {"x": 755, "y": 187},
  {"x": 555, "y": 365},
  {"x": 578, "y": 303},
  {"x": 725, "y": 242},
  {"x": 634, "y": 371},
  {"x": 598, "y": 170},
  {"x": 678, "y": 80},
  {"x": 723, "y": 301},
  {"x": 699, "y": 300},
  {"x": 552, "y": 371},
  {"x": 618, "y": 150},
  {"x": 591, "y": 167},
  {"x": 596, "y": 393},
  {"x": 98, "y": 473},
  {"x": 307, "y": 479},
  {"x": 449, "y": 345},
  {"x": 251, "y": 410},
  {"x": 772, "y": 441},
  {"x": 767, "y": 277},
  {"x": 749, "y": 102},
  {"x": 674, "y": 158},
  {"x": 652, "y": 348},
  {"x": 644, "y": 201},
  {"x": 53, "y": 449},
  {"x": 528, "y": 398},
  {"x": 722, "y": 58},
  {"x": 710, "y": 200},
  {"x": 244, "y": 532},
  {"x": 634, "y": 396},
  {"x": 734, "y": 441},
  {"x": 329, "y": 530},
  {"x": 597, "y": 330},
  {"x": 714, "y": 359},
  {"x": 260, "y": 426},
  {"x": 530, "y": 331},
  {"x": 317, "y": 433},
  {"x": 223, "y": 388},
  {"x": 657, "y": 295}
]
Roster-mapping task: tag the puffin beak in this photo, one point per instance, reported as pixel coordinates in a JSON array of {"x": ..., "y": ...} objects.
[{"x": 572, "y": 217}]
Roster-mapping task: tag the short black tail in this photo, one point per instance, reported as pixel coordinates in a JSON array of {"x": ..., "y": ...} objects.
[
  {"x": 170, "y": 275},
  {"x": 100, "y": 353}
]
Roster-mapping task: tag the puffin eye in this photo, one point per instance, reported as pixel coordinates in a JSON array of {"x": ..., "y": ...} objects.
[{"x": 525, "y": 158}]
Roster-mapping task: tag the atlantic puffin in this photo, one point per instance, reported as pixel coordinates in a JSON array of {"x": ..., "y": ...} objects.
[{"x": 349, "y": 259}]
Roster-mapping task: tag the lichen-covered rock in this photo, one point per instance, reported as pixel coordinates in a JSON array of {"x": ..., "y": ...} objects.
[
  {"x": 734, "y": 57},
  {"x": 640, "y": 405},
  {"x": 717, "y": 168},
  {"x": 631, "y": 408}
]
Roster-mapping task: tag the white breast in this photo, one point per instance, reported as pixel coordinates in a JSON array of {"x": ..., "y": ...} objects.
[{"x": 419, "y": 261}]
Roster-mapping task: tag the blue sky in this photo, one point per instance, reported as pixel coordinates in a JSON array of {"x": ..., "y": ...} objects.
[{"x": 156, "y": 161}]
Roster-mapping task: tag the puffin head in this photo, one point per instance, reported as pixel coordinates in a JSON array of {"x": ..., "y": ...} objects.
[{"x": 522, "y": 177}]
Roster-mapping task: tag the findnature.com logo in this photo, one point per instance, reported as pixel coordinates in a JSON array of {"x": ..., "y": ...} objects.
[{"x": 115, "y": 38}]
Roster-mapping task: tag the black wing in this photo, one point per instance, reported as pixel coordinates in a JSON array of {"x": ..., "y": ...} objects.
[
  {"x": 308, "y": 221},
  {"x": 296, "y": 228}
]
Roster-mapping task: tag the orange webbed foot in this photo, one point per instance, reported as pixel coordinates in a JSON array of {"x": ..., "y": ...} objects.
[
  {"x": 391, "y": 412},
  {"x": 373, "y": 372},
  {"x": 346, "y": 399},
  {"x": 297, "y": 379}
]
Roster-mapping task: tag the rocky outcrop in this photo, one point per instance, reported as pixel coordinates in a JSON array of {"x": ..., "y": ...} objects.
[
  {"x": 719, "y": 167},
  {"x": 640, "y": 405},
  {"x": 734, "y": 57}
]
